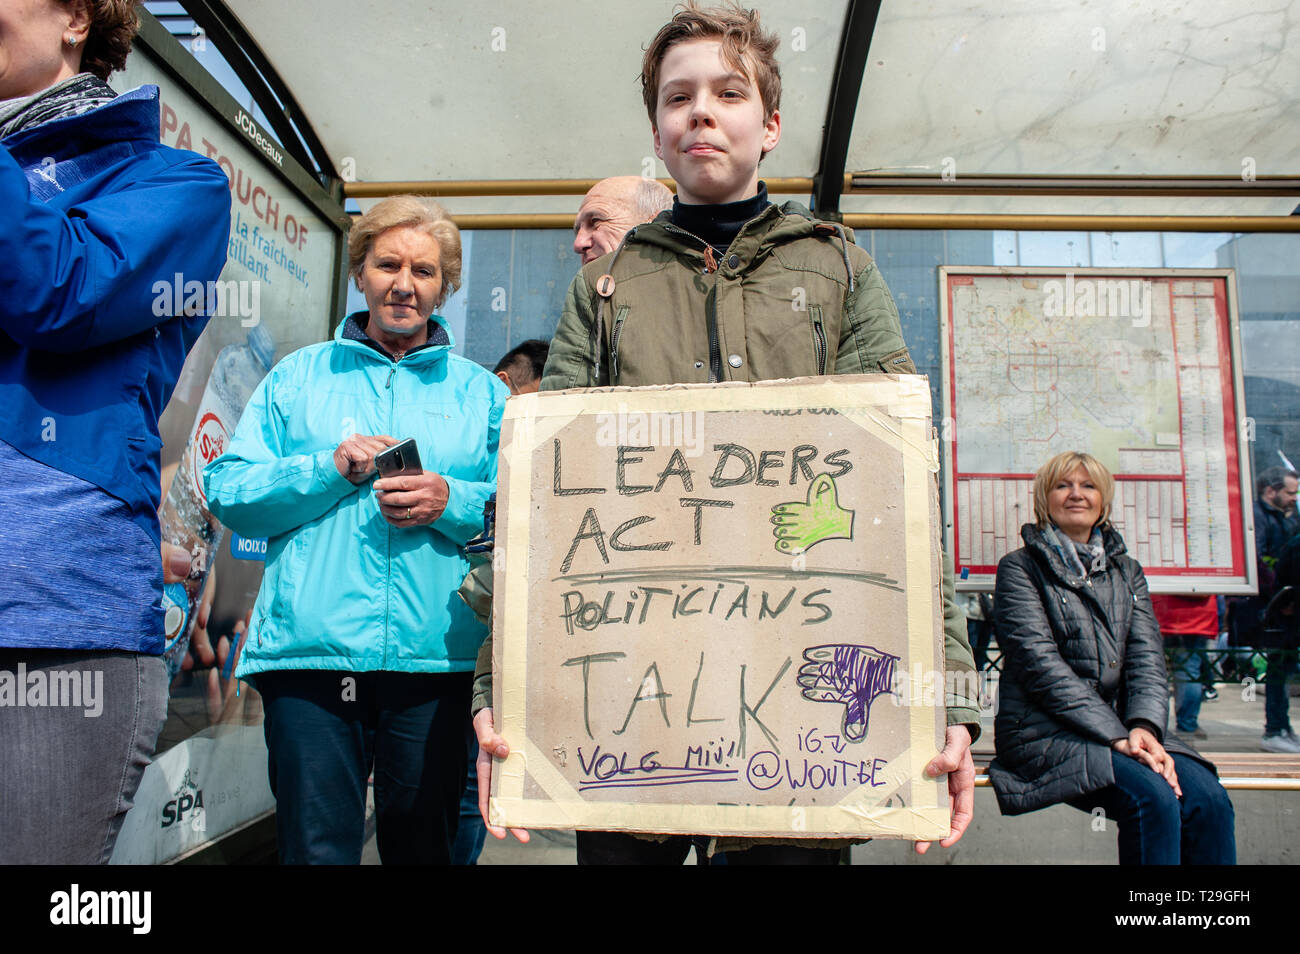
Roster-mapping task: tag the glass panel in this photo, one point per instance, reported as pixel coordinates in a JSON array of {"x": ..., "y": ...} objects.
[
  {"x": 513, "y": 288},
  {"x": 1131, "y": 89},
  {"x": 515, "y": 282},
  {"x": 179, "y": 24},
  {"x": 1268, "y": 283},
  {"x": 496, "y": 91}
]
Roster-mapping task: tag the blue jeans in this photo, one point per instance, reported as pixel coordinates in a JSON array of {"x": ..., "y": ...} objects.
[
  {"x": 471, "y": 832},
  {"x": 1189, "y": 664},
  {"x": 1158, "y": 828},
  {"x": 980, "y": 634},
  {"x": 326, "y": 731},
  {"x": 1277, "y": 705}
]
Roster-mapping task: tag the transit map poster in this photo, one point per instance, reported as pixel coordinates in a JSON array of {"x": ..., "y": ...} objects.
[
  {"x": 718, "y": 610},
  {"x": 1140, "y": 369}
]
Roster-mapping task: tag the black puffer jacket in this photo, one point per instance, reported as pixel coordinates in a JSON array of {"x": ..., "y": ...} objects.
[{"x": 1083, "y": 661}]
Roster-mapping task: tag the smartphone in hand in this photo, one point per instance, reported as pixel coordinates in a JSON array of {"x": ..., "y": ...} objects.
[{"x": 399, "y": 460}]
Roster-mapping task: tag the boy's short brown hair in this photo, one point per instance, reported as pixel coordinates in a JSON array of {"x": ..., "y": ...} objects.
[{"x": 744, "y": 45}]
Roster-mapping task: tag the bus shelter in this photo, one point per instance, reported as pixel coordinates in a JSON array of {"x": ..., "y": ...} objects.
[{"x": 1062, "y": 202}]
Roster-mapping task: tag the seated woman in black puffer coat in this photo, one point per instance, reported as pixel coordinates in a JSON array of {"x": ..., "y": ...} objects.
[{"x": 1084, "y": 694}]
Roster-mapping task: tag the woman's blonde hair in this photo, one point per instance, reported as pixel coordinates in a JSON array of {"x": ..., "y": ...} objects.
[
  {"x": 409, "y": 211},
  {"x": 1063, "y": 464}
]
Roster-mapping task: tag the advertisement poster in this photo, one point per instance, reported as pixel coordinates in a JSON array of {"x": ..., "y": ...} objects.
[{"x": 274, "y": 296}]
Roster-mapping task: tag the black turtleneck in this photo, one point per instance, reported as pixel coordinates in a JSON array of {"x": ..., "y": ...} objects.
[{"x": 719, "y": 224}]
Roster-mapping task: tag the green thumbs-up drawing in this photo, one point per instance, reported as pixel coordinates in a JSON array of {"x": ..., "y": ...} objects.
[{"x": 800, "y": 526}]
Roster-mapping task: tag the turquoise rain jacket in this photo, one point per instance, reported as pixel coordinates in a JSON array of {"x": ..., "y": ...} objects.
[{"x": 343, "y": 588}]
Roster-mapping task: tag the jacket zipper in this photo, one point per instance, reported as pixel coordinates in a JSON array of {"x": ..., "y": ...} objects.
[
  {"x": 715, "y": 350},
  {"x": 1088, "y": 595},
  {"x": 388, "y": 556},
  {"x": 711, "y": 314},
  {"x": 819, "y": 339},
  {"x": 613, "y": 344}
]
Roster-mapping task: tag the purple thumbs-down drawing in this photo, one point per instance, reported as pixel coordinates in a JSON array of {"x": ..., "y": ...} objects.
[{"x": 853, "y": 675}]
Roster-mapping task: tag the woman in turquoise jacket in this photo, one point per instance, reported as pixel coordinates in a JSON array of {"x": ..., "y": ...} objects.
[{"x": 359, "y": 645}]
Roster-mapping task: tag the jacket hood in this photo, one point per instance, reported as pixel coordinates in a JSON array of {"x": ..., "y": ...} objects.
[
  {"x": 1037, "y": 543},
  {"x": 773, "y": 226}
]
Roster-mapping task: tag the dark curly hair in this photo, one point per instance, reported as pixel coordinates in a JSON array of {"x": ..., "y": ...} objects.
[{"x": 113, "y": 24}]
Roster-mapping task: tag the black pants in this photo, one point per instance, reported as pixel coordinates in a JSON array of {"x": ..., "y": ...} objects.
[{"x": 326, "y": 730}]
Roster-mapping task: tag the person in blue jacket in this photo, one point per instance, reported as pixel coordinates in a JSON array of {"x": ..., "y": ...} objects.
[
  {"x": 359, "y": 645},
  {"x": 94, "y": 211}
]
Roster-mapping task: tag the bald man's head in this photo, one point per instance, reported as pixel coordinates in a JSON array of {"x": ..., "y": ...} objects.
[{"x": 611, "y": 208}]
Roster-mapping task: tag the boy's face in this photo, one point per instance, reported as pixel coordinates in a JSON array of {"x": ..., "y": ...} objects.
[{"x": 710, "y": 131}]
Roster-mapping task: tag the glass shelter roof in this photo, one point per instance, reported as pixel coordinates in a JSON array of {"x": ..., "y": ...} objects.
[{"x": 950, "y": 93}]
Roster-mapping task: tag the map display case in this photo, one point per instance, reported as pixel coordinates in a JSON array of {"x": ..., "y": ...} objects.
[{"x": 1140, "y": 368}]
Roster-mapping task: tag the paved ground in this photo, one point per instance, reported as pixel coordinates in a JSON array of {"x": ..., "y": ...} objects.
[{"x": 1268, "y": 823}]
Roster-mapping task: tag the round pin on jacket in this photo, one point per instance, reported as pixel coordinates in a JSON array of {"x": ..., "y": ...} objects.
[{"x": 605, "y": 285}]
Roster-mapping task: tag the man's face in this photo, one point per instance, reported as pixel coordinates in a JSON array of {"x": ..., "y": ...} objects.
[
  {"x": 604, "y": 218},
  {"x": 1283, "y": 498},
  {"x": 709, "y": 128}
]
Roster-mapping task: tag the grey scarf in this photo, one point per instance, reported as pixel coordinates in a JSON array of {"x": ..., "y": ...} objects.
[
  {"x": 72, "y": 97},
  {"x": 1082, "y": 559}
]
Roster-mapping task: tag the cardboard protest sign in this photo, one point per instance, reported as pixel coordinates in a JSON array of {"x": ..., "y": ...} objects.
[{"x": 704, "y": 600}]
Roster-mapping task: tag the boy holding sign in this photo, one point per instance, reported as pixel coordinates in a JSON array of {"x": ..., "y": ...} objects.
[{"x": 729, "y": 287}]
